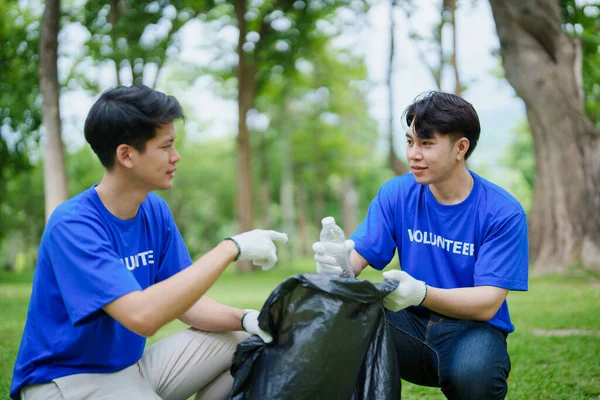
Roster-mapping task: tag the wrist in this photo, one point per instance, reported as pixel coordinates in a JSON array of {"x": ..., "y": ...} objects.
[{"x": 232, "y": 248}]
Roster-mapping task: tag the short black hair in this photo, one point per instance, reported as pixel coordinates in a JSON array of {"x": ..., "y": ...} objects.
[
  {"x": 128, "y": 115},
  {"x": 446, "y": 114}
]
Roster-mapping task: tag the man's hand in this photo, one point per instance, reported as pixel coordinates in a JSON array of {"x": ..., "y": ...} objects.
[
  {"x": 250, "y": 325},
  {"x": 330, "y": 256},
  {"x": 410, "y": 292},
  {"x": 258, "y": 246}
]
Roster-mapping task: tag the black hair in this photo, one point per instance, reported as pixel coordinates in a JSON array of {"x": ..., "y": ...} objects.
[
  {"x": 128, "y": 115},
  {"x": 446, "y": 114}
]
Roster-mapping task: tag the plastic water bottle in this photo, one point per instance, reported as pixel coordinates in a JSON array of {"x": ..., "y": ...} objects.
[{"x": 331, "y": 233}]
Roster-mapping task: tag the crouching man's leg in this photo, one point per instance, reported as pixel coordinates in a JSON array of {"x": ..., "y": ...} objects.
[
  {"x": 475, "y": 364},
  {"x": 126, "y": 384},
  {"x": 468, "y": 360},
  {"x": 191, "y": 361}
]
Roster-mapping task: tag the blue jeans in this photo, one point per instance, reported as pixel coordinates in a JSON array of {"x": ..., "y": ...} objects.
[{"x": 466, "y": 359}]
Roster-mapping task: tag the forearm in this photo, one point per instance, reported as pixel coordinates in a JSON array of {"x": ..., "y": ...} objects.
[
  {"x": 479, "y": 303},
  {"x": 358, "y": 262},
  {"x": 144, "y": 312},
  {"x": 210, "y": 315}
]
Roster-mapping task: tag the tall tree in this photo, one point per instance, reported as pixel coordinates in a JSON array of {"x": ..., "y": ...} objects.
[
  {"x": 396, "y": 165},
  {"x": 435, "y": 45},
  {"x": 271, "y": 36},
  {"x": 55, "y": 178},
  {"x": 449, "y": 6},
  {"x": 246, "y": 75},
  {"x": 580, "y": 20},
  {"x": 543, "y": 64}
]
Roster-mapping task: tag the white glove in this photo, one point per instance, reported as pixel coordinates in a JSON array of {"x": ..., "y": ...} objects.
[
  {"x": 331, "y": 257},
  {"x": 258, "y": 246},
  {"x": 410, "y": 292},
  {"x": 250, "y": 325}
]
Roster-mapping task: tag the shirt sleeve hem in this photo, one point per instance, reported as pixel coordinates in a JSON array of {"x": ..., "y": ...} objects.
[
  {"x": 81, "y": 316},
  {"x": 371, "y": 258},
  {"x": 502, "y": 283}
]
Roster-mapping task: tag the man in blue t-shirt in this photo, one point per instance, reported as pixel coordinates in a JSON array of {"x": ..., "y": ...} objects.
[
  {"x": 112, "y": 269},
  {"x": 462, "y": 245}
]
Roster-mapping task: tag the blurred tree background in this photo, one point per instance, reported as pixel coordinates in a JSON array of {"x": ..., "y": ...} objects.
[{"x": 306, "y": 142}]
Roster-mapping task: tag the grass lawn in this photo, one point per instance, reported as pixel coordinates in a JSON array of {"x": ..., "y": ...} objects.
[{"x": 555, "y": 350}]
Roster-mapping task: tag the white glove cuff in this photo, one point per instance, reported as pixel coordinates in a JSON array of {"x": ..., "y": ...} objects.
[
  {"x": 421, "y": 293},
  {"x": 243, "y": 317}
]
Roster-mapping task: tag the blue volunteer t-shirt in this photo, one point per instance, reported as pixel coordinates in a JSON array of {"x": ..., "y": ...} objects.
[
  {"x": 479, "y": 242},
  {"x": 88, "y": 258}
]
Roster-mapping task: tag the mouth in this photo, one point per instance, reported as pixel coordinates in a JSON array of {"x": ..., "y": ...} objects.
[
  {"x": 171, "y": 173},
  {"x": 417, "y": 169}
]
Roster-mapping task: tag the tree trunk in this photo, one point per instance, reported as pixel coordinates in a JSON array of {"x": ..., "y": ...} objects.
[
  {"x": 303, "y": 229},
  {"x": 320, "y": 181},
  {"x": 265, "y": 182},
  {"x": 350, "y": 206},
  {"x": 319, "y": 201},
  {"x": 114, "y": 18},
  {"x": 395, "y": 164},
  {"x": 265, "y": 199},
  {"x": 246, "y": 87},
  {"x": 457, "y": 84},
  {"x": 544, "y": 66},
  {"x": 55, "y": 179},
  {"x": 288, "y": 208}
]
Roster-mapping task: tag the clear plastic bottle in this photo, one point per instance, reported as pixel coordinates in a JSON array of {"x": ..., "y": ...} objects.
[{"x": 332, "y": 233}]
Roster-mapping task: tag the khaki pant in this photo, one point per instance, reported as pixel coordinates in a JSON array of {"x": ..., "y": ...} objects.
[{"x": 175, "y": 368}]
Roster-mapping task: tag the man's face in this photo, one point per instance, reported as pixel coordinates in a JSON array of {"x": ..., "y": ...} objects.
[
  {"x": 155, "y": 167},
  {"x": 430, "y": 160}
]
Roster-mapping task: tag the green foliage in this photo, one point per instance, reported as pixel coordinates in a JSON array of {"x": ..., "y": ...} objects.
[
  {"x": 202, "y": 199},
  {"x": 20, "y": 107},
  {"x": 279, "y": 33},
  {"x": 22, "y": 213},
  {"x": 582, "y": 20},
  {"x": 83, "y": 169},
  {"x": 132, "y": 35},
  {"x": 324, "y": 112},
  {"x": 517, "y": 166}
]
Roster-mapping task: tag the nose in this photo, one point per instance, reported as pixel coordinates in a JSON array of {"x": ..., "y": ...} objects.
[
  {"x": 175, "y": 157},
  {"x": 413, "y": 152}
]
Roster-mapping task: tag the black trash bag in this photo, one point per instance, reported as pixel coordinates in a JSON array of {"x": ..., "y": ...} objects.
[{"x": 330, "y": 341}]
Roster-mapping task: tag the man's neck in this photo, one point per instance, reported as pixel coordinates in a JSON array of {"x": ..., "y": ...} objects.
[
  {"x": 455, "y": 189},
  {"x": 120, "y": 198}
]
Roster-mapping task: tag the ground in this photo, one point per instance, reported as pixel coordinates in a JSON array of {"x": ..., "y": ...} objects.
[{"x": 555, "y": 350}]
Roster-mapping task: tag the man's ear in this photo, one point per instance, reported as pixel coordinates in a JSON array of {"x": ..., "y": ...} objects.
[
  {"x": 462, "y": 146},
  {"x": 124, "y": 155}
]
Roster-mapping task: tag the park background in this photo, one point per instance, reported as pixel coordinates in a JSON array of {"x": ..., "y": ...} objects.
[{"x": 293, "y": 113}]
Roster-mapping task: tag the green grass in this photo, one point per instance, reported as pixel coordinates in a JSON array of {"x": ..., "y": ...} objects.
[{"x": 544, "y": 366}]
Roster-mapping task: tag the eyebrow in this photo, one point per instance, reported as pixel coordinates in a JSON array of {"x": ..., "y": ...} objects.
[{"x": 408, "y": 136}]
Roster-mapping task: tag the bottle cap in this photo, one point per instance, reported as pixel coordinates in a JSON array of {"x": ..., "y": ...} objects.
[{"x": 328, "y": 221}]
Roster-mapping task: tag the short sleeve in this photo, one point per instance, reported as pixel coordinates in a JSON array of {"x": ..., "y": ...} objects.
[
  {"x": 503, "y": 258},
  {"x": 87, "y": 269},
  {"x": 375, "y": 237},
  {"x": 174, "y": 256}
]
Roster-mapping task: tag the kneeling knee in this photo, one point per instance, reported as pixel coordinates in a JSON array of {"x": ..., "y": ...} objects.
[{"x": 475, "y": 381}]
